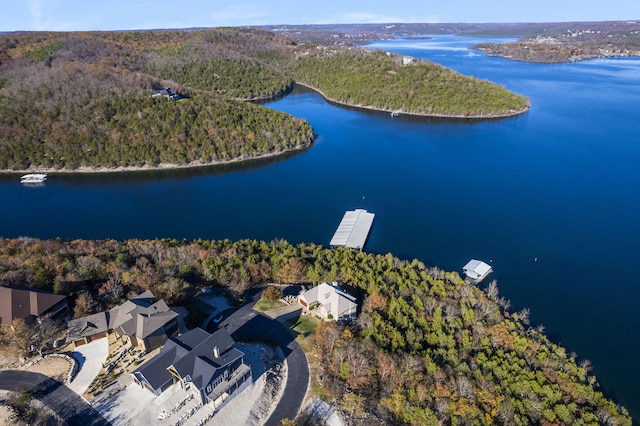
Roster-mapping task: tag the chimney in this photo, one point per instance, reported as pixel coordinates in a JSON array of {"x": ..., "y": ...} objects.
[{"x": 216, "y": 352}]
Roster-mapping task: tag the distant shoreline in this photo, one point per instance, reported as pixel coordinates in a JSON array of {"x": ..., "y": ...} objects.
[
  {"x": 418, "y": 114},
  {"x": 159, "y": 167}
]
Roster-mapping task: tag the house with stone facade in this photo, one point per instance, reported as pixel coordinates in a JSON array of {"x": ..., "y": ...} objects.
[{"x": 142, "y": 321}]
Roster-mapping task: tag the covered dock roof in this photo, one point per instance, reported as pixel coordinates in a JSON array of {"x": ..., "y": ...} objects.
[
  {"x": 476, "y": 270},
  {"x": 353, "y": 229}
]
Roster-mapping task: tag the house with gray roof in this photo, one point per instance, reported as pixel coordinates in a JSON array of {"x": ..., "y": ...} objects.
[
  {"x": 207, "y": 364},
  {"x": 330, "y": 302},
  {"x": 141, "y": 321},
  {"x": 86, "y": 329}
]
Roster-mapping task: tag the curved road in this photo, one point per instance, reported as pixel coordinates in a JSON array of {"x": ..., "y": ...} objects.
[
  {"x": 70, "y": 407},
  {"x": 245, "y": 324}
]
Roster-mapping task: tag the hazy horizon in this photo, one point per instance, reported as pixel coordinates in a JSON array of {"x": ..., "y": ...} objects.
[{"x": 117, "y": 15}]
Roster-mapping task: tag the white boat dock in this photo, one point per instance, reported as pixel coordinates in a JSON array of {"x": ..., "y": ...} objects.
[
  {"x": 353, "y": 229},
  {"x": 476, "y": 271}
]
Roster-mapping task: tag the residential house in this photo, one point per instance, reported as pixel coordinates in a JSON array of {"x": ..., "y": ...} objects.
[
  {"x": 207, "y": 364},
  {"x": 87, "y": 329},
  {"x": 331, "y": 302},
  {"x": 168, "y": 93},
  {"x": 141, "y": 321},
  {"x": 30, "y": 305}
]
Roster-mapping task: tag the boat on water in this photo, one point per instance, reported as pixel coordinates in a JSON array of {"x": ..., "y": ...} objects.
[
  {"x": 33, "y": 178},
  {"x": 395, "y": 113}
]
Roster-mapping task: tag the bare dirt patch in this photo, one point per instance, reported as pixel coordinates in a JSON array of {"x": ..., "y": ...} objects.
[
  {"x": 54, "y": 367},
  {"x": 6, "y": 415}
]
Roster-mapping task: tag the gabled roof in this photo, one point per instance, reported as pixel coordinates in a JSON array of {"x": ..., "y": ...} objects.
[
  {"x": 140, "y": 316},
  {"x": 476, "y": 269},
  {"x": 148, "y": 324},
  {"x": 88, "y": 326},
  {"x": 191, "y": 354},
  {"x": 22, "y": 303},
  {"x": 122, "y": 313},
  {"x": 201, "y": 364},
  {"x": 155, "y": 370},
  {"x": 331, "y": 297}
]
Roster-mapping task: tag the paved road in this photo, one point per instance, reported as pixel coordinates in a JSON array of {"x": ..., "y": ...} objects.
[
  {"x": 72, "y": 408},
  {"x": 245, "y": 324}
]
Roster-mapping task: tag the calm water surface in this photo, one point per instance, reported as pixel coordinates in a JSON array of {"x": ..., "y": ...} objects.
[{"x": 559, "y": 184}]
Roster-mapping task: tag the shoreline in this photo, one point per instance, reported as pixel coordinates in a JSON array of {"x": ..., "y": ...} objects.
[
  {"x": 417, "y": 114},
  {"x": 159, "y": 167}
]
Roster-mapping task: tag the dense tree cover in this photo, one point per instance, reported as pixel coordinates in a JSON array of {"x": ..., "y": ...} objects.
[
  {"x": 380, "y": 80},
  {"x": 96, "y": 123},
  {"x": 427, "y": 347},
  {"x": 206, "y": 66},
  {"x": 70, "y": 100}
]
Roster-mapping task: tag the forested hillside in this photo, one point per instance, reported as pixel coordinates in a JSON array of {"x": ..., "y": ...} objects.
[
  {"x": 74, "y": 100},
  {"x": 71, "y": 100},
  {"x": 427, "y": 347},
  {"x": 383, "y": 81}
]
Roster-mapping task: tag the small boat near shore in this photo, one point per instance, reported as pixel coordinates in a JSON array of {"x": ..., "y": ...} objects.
[{"x": 33, "y": 178}]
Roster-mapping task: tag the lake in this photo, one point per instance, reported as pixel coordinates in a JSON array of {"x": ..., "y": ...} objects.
[{"x": 551, "y": 197}]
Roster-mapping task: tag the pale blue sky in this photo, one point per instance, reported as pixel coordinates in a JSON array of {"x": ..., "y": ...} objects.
[{"x": 71, "y": 15}]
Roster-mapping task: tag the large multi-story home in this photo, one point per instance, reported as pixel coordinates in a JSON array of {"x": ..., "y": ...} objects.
[
  {"x": 142, "y": 321},
  {"x": 206, "y": 364},
  {"x": 30, "y": 305},
  {"x": 330, "y": 302}
]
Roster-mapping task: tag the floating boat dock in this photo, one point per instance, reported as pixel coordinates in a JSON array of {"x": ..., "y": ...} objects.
[
  {"x": 476, "y": 271},
  {"x": 353, "y": 229}
]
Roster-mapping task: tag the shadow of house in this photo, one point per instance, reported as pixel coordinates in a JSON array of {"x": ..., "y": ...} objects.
[
  {"x": 30, "y": 305},
  {"x": 207, "y": 364},
  {"x": 263, "y": 329},
  {"x": 141, "y": 321}
]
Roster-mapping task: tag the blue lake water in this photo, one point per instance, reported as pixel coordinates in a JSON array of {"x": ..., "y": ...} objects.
[{"x": 560, "y": 184}]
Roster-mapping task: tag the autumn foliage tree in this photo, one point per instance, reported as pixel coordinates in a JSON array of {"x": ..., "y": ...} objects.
[{"x": 272, "y": 293}]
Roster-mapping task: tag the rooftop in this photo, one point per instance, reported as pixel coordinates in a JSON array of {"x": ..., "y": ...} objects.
[{"x": 353, "y": 229}]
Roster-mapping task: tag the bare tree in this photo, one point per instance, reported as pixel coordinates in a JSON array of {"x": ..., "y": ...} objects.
[
  {"x": 43, "y": 333},
  {"x": 524, "y": 316},
  {"x": 492, "y": 290},
  {"x": 84, "y": 305}
]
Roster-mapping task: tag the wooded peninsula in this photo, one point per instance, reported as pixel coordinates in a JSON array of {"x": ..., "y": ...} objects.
[
  {"x": 125, "y": 100},
  {"x": 427, "y": 347}
]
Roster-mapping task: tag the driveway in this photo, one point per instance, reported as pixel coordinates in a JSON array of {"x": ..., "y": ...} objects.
[
  {"x": 89, "y": 358},
  {"x": 72, "y": 408},
  {"x": 245, "y": 324}
]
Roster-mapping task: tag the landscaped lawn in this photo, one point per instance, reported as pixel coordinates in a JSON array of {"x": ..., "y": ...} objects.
[
  {"x": 305, "y": 326},
  {"x": 263, "y": 305}
]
